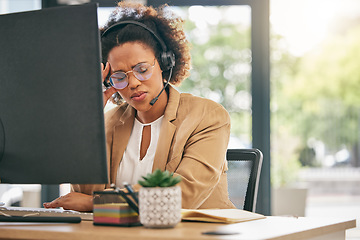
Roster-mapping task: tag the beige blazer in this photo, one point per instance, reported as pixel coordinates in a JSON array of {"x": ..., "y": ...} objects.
[{"x": 193, "y": 141}]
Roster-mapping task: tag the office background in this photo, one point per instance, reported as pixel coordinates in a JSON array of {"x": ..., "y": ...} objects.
[{"x": 314, "y": 130}]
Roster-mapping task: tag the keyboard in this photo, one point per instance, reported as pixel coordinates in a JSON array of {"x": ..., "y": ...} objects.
[{"x": 44, "y": 212}]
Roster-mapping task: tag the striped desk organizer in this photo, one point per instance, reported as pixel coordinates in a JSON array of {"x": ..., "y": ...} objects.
[{"x": 110, "y": 209}]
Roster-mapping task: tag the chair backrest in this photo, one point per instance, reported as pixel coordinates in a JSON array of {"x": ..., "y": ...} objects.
[{"x": 243, "y": 177}]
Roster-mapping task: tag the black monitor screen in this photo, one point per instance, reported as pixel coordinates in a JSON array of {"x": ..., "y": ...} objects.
[{"x": 51, "y": 106}]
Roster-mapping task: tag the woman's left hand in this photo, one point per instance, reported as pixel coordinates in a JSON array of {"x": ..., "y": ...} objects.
[{"x": 72, "y": 201}]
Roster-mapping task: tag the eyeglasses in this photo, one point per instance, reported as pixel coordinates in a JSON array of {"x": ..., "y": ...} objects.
[{"x": 142, "y": 71}]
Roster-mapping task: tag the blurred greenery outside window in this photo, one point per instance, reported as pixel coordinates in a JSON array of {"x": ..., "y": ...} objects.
[{"x": 315, "y": 84}]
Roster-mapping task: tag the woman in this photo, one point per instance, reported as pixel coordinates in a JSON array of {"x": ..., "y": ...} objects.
[{"x": 154, "y": 125}]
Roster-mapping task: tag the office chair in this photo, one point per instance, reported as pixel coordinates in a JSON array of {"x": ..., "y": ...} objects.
[{"x": 243, "y": 177}]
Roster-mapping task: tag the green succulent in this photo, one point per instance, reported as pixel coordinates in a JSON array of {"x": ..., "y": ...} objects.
[{"x": 159, "y": 179}]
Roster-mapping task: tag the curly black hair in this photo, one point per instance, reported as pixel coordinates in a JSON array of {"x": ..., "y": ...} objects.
[{"x": 162, "y": 22}]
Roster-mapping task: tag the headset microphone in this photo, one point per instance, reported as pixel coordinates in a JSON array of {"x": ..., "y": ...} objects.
[{"x": 165, "y": 85}]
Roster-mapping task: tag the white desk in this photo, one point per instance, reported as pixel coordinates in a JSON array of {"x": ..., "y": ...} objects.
[{"x": 269, "y": 228}]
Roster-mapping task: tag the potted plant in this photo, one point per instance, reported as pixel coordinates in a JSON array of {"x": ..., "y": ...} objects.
[{"x": 160, "y": 200}]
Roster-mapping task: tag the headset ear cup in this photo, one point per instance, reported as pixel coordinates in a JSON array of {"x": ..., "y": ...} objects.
[{"x": 167, "y": 60}]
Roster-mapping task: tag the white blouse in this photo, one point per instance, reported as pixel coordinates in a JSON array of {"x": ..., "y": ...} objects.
[{"x": 131, "y": 167}]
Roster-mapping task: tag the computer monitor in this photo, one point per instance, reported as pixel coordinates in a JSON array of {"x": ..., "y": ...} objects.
[{"x": 51, "y": 106}]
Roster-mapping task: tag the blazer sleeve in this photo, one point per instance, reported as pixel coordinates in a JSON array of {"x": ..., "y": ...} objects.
[{"x": 204, "y": 158}]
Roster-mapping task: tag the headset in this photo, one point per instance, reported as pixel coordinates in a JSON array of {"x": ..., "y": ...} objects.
[{"x": 167, "y": 57}]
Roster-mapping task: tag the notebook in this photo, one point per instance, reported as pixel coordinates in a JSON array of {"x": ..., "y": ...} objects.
[{"x": 219, "y": 215}]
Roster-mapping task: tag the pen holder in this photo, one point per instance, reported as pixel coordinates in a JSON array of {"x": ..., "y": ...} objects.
[{"x": 111, "y": 209}]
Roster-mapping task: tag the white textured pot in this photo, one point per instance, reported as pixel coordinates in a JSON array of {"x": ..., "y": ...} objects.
[{"x": 160, "y": 207}]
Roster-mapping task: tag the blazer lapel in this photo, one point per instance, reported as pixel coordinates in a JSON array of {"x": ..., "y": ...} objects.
[
  {"x": 167, "y": 131},
  {"x": 121, "y": 135}
]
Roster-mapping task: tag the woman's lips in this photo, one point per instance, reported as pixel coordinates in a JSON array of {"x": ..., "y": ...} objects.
[{"x": 138, "y": 96}]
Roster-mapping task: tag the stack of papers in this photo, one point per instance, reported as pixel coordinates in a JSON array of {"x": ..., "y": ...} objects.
[{"x": 219, "y": 215}]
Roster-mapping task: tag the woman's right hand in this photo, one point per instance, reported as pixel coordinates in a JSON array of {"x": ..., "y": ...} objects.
[
  {"x": 72, "y": 201},
  {"x": 110, "y": 91}
]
